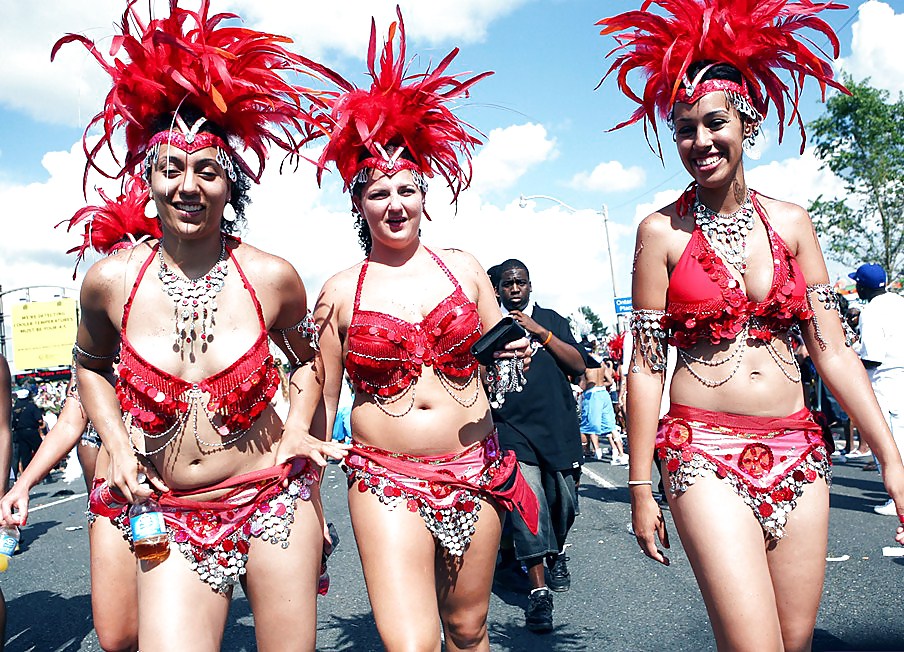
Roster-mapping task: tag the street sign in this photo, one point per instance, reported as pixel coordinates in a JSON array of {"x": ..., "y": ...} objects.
[{"x": 622, "y": 305}]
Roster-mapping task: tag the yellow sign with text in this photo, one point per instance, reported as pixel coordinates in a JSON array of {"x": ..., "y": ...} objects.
[{"x": 43, "y": 333}]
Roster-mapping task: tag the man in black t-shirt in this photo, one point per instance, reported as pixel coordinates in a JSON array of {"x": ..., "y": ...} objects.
[
  {"x": 27, "y": 425},
  {"x": 540, "y": 424}
]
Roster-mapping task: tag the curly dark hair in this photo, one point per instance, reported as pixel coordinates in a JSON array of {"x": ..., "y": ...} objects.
[{"x": 238, "y": 198}]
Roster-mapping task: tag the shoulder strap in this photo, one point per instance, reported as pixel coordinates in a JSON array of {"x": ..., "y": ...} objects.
[
  {"x": 230, "y": 247},
  {"x": 126, "y": 309},
  {"x": 361, "y": 275},
  {"x": 443, "y": 267}
]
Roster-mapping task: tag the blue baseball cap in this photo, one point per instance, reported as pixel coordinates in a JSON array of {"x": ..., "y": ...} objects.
[{"x": 870, "y": 276}]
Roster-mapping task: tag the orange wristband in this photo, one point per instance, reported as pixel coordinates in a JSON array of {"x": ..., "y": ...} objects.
[{"x": 548, "y": 337}]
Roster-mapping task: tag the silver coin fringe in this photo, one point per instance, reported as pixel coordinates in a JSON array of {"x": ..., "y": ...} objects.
[
  {"x": 504, "y": 376},
  {"x": 773, "y": 518},
  {"x": 649, "y": 339}
]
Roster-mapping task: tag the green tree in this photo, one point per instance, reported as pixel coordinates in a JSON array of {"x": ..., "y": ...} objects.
[
  {"x": 597, "y": 327},
  {"x": 860, "y": 139}
]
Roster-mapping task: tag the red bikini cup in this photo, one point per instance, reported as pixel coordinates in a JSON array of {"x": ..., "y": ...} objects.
[
  {"x": 386, "y": 354},
  {"x": 705, "y": 301}
]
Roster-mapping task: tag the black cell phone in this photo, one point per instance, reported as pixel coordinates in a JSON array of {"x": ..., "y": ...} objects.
[{"x": 506, "y": 330}]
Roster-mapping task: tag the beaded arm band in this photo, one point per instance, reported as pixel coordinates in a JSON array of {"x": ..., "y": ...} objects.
[
  {"x": 825, "y": 293},
  {"x": 649, "y": 339},
  {"x": 79, "y": 351},
  {"x": 308, "y": 329}
]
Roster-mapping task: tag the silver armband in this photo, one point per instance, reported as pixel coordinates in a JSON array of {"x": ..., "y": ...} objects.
[
  {"x": 79, "y": 351},
  {"x": 650, "y": 339},
  {"x": 308, "y": 329},
  {"x": 825, "y": 294}
]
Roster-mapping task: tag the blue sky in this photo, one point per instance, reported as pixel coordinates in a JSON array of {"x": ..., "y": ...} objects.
[{"x": 545, "y": 127}]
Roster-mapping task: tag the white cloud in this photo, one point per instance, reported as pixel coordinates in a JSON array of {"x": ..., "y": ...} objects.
[
  {"x": 71, "y": 89},
  {"x": 877, "y": 49},
  {"x": 610, "y": 176},
  {"x": 797, "y": 179},
  {"x": 508, "y": 153},
  {"x": 659, "y": 200},
  {"x": 345, "y": 26}
]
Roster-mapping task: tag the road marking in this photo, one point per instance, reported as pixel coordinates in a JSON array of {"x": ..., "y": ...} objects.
[
  {"x": 597, "y": 478},
  {"x": 57, "y": 502}
]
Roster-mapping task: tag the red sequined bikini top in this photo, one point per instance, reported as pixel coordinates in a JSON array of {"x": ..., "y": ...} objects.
[
  {"x": 386, "y": 354},
  {"x": 705, "y": 302},
  {"x": 159, "y": 401}
]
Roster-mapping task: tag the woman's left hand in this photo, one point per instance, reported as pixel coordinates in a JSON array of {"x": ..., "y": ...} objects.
[
  {"x": 893, "y": 477},
  {"x": 301, "y": 444},
  {"x": 519, "y": 348}
]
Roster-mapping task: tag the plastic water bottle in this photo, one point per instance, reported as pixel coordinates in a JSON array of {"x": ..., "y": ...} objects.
[
  {"x": 9, "y": 539},
  {"x": 148, "y": 531}
]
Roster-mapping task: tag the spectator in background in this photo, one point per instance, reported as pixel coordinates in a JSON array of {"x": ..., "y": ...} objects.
[
  {"x": 852, "y": 316},
  {"x": 598, "y": 416},
  {"x": 540, "y": 424},
  {"x": 882, "y": 351},
  {"x": 27, "y": 426}
]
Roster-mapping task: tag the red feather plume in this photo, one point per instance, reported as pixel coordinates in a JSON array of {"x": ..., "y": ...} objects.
[
  {"x": 233, "y": 75},
  {"x": 117, "y": 224},
  {"x": 758, "y": 37},
  {"x": 616, "y": 347},
  {"x": 401, "y": 109}
]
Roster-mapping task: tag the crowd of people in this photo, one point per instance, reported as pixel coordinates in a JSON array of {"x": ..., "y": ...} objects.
[{"x": 461, "y": 468}]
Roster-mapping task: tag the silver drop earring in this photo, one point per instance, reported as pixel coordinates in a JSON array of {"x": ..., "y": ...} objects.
[{"x": 229, "y": 212}]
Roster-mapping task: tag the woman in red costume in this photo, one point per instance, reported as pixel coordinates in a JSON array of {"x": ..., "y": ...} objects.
[
  {"x": 724, "y": 274},
  {"x": 427, "y": 480},
  {"x": 189, "y": 317}
]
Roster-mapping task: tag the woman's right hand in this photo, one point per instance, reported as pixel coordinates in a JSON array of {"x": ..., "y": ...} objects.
[
  {"x": 132, "y": 478},
  {"x": 14, "y": 505},
  {"x": 648, "y": 523}
]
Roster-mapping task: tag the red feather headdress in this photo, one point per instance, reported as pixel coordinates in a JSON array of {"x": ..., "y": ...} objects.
[
  {"x": 118, "y": 224},
  {"x": 758, "y": 37},
  {"x": 405, "y": 111},
  {"x": 233, "y": 75}
]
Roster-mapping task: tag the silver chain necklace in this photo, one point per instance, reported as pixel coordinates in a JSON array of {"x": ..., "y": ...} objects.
[
  {"x": 194, "y": 300},
  {"x": 727, "y": 232}
]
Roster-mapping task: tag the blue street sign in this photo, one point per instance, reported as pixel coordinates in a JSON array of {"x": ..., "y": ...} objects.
[{"x": 622, "y": 305}]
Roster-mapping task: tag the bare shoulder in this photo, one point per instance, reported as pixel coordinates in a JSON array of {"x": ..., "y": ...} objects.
[
  {"x": 460, "y": 262},
  {"x": 791, "y": 221},
  {"x": 110, "y": 279},
  {"x": 659, "y": 231},
  {"x": 258, "y": 263},
  {"x": 341, "y": 286}
]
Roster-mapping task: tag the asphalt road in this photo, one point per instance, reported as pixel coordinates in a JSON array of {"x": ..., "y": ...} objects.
[{"x": 619, "y": 600}]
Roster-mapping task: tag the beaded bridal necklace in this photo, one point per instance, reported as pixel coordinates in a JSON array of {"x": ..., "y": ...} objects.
[
  {"x": 727, "y": 232},
  {"x": 194, "y": 300}
]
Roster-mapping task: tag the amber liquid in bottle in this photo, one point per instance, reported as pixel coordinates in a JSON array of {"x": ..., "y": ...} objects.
[
  {"x": 153, "y": 549},
  {"x": 149, "y": 537}
]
